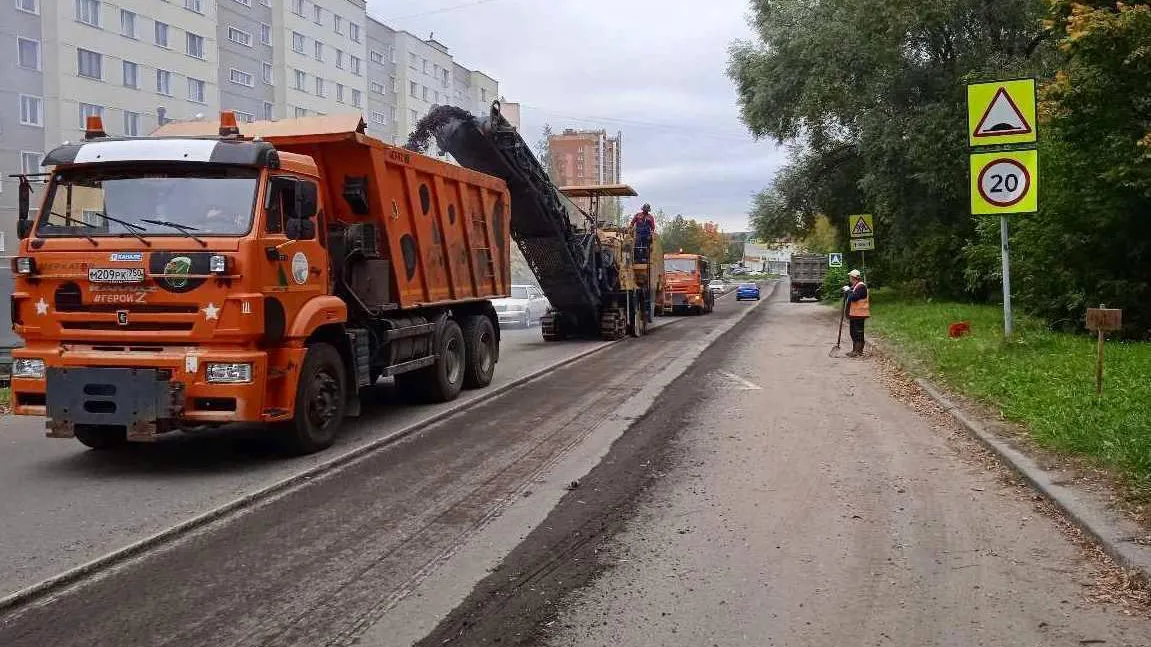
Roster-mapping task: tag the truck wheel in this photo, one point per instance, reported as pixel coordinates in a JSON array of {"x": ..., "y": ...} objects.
[
  {"x": 442, "y": 381},
  {"x": 100, "y": 437},
  {"x": 321, "y": 399},
  {"x": 480, "y": 343}
]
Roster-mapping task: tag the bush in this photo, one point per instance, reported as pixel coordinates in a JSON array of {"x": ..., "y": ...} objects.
[{"x": 833, "y": 283}]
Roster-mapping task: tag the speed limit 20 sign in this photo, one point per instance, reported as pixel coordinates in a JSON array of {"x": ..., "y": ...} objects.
[{"x": 1004, "y": 182}]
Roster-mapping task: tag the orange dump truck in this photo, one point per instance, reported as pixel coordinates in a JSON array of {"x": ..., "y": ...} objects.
[
  {"x": 260, "y": 273},
  {"x": 685, "y": 285}
]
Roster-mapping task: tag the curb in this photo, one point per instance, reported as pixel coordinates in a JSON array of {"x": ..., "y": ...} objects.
[
  {"x": 1113, "y": 535},
  {"x": 160, "y": 539}
]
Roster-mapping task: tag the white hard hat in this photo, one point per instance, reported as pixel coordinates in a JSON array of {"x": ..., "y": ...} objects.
[{"x": 854, "y": 274}]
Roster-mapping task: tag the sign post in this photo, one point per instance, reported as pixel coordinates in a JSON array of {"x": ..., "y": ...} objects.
[
  {"x": 1002, "y": 114},
  {"x": 1102, "y": 320},
  {"x": 861, "y": 229}
]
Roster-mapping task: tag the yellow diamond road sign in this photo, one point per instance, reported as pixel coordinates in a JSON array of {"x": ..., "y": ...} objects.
[
  {"x": 860, "y": 225},
  {"x": 1006, "y": 182},
  {"x": 1002, "y": 112}
]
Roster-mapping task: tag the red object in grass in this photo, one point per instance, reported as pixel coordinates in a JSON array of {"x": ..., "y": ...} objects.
[{"x": 960, "y": 329}]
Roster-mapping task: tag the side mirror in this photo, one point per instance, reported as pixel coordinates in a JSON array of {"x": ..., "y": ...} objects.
[
  {"x": 306, "y": 200},
  {"x": 24, "y": 224}
]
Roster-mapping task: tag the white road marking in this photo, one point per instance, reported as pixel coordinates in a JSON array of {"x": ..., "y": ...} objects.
[{"x": 747, "y": 386}]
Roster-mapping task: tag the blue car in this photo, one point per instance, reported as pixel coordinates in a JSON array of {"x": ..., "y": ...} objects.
[{"x": 747, "y": 291}]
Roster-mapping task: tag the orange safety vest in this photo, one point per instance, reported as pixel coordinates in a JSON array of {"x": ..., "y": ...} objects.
[{"x": 862, "y": 307}]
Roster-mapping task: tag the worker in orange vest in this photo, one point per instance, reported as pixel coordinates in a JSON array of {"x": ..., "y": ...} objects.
[
  {"x": 643, "y": 224},
  {"x": 858, "y": 306}
]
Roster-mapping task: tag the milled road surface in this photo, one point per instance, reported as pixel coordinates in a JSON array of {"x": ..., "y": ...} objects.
[
  {"x": 326, "y": 560},
  {"x": 775, "y": 496},
  {"x": 63, "y": 505}
]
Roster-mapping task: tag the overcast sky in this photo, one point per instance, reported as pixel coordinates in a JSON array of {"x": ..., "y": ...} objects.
[{"x": 652, "y": 69}]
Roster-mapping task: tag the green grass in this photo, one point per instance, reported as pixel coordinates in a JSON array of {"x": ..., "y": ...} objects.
[
  {"x": 1044, "y": 380},
  {"x": 5, "y": 398}
]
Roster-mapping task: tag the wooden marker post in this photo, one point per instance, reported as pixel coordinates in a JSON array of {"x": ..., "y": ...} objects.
[{"x": 1102, "y": 320}]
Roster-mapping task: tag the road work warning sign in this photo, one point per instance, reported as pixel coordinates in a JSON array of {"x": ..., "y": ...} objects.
[
  {"x": 860, "y": 225},
  {"x": 1002, "y": 112}
]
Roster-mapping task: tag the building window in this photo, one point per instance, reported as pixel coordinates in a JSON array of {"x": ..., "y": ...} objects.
[
  {"x": 378, "y": 118},
  {"x": 127, "y": 23},
  {"x": 196, "y": 90},
  {"x": 483, "y": 95},
  {"x": 395, "y": 85},
  {"x": 131, "y": 75},
  {"x": 301, "y": 79},
  {"x": 377, "y": 57},
  {"x": 413, "y": 60},
  {"x": 164, "y": 82},
  {"x": 413, "y": 89},
  {"x": 340, "y": 58},
  {"x": 161, "y": 34},
  {"x": 337, "y": 24},
  {"x": 267, "y": 74},
  {"x": 425, "y": 61},
  {"x": 319, "y": 14},
  {"x": 30, "y": 162},
  {"x": 340, "y": 92},
  {"x": 195, "y": 45},
  {"x": 246, "y": 3},
  {"x": 265, "y": 34},
  {"x": 31, "y": 110},
  {"x": 297, "y": 42},
  {"x": 319, "y": 51},
  {"x": 301, "y": 112},
  {"x": 269, "y": 111},
  {"x": 31, "y": 6},
  {"x": 392, "y": 113},
  {"x": 90, "y": 64},
  {"x": 445, "y": 73},
  {"x": 194, "y": 5},
  {"x": 239, "y": 36},
  {"x": 131, "y": 124},
  {"x": 298, "y": 7},
  {"x": 89, "y": 110},
  {"x": 354, "y": 32},
  {"x": 357, "y": 98},
  {"x": 240, "y": 77},
  {"x": 245, "y": 117},
  {"x": 415, "y": 117},
  {"x": 319, "y": 87},
  {"x": 354, "y": 64},
  {"x": 378, "y": 88},
  {"x": 28, "y": 53},
  {"x": 88, "y": 12},
  {"x": 424, "y": 93}
]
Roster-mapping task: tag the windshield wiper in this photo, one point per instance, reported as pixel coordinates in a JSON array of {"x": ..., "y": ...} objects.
[
  {"x": 133, "y": 228},
  {"x": 86, "y": 224},
  {"x": 183, "y": 229}
]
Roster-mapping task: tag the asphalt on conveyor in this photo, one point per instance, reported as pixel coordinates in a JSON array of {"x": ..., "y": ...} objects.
[{"x": 328, "y": 558}]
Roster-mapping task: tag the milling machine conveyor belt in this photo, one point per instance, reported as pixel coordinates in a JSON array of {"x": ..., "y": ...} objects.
[{"x": 563, "y": 256}]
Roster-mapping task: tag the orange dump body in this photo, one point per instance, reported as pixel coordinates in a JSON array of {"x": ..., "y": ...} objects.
[
  {"x": 685, "y": 283},
  {"x": 145, "y": 299}
]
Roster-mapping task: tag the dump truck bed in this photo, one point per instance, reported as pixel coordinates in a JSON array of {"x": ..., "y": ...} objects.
[{"x": 808, "y": 268}]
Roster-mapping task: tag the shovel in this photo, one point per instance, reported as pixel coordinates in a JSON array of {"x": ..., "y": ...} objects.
[{"x": 836, "y": 349}]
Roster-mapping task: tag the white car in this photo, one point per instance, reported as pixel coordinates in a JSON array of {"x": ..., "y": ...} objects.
[
  {"x": 717, "y": 286},
  {"x": 523, "y": 308}
]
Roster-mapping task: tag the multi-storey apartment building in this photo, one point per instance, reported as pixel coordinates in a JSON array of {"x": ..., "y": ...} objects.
[{"x": 587, "y": 157}]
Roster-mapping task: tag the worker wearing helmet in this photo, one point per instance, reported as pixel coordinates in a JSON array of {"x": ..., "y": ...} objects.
[
  {"x": 644, "y": 226},
  {"x": 858, "y": 305}
]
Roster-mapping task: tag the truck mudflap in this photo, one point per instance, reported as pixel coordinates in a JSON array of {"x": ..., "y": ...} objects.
[{"x": 137, "y": 399}]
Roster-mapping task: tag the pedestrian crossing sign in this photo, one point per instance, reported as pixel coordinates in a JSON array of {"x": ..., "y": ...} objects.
[
  {"x": 835, "y": 259},
  {"x": 861, "y": 225}
]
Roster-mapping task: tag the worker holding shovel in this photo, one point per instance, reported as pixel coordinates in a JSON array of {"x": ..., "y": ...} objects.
[{"x": 858, "y": 307}]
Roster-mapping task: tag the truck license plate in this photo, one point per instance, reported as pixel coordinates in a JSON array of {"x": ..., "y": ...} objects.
[{"x": 116, "y": 274}]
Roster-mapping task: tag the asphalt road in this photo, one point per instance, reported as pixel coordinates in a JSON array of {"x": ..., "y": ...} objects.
[
  {"x": 776, "y": 496},
  {"x": 64, "y": 505},
  {"x": 324, "y": 562}
]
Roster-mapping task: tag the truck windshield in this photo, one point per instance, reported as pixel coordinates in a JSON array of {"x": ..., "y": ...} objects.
[
  {"x": 680, "y": 265},
  {"x": 214, "y": 201}
]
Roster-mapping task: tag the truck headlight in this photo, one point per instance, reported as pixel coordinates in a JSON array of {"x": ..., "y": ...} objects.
[
  {"x": 24, "y": 265},
  {"x": 229, "y": 373},
  {"x": 218, "y": 264},
  {"x": 29, "y": 368}
]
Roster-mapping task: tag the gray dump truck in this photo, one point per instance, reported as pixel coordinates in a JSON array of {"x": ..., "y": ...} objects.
[{"x": 807, "y": 272}]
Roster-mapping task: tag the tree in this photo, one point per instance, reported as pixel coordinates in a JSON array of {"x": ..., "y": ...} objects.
[{"x": 543, "y": 153}]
